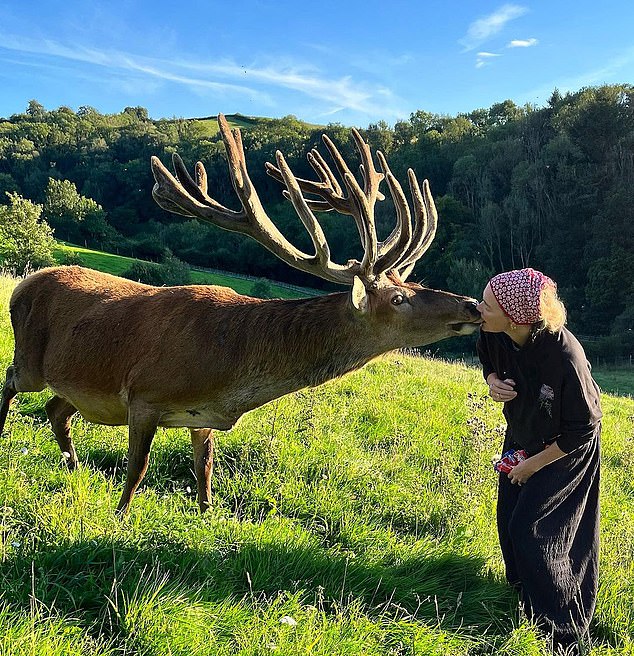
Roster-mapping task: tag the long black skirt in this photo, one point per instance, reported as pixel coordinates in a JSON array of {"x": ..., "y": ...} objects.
[{"x": 549, "y": 536}]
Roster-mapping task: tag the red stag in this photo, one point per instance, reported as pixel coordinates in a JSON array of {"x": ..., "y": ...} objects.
[{"x": 119, "y": 352}]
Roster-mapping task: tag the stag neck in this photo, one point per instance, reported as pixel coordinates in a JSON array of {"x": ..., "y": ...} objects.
[{"x": 312, "y": 340}]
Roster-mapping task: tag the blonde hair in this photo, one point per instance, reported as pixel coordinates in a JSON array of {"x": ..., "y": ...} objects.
[{"x": 552, "y": 310}]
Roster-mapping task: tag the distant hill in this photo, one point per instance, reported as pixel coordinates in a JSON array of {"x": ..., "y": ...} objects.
[{"x": 243, "y": 122}]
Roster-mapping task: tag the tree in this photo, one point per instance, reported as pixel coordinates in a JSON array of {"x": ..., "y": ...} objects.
[
  {"x": 36, "y": 110},
  {"x": 380, "y": 136},
  {"x": 610, "y": 286},
  {"x": 468, "y": 277},
  {"x": 8, "y": 184},
  {"x": 25, "y": 240},
  {"x": 75, "y": 217}
]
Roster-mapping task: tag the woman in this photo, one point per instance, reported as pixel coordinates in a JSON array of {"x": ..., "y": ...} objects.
[{"x": 548, "y": 505}]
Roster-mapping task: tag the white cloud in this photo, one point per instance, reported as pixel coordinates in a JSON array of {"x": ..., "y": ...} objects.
[
  {"x": 522, "y": 43},
  {"x": 484, "y": 28},
  {"x": 113, "y": 60},
  {"x": 259, "y": 80},
  {"x": 485, "y": 58},
  {"x": 342, "y": 93}
]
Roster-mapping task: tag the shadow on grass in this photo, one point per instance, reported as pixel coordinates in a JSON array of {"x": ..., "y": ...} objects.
[
  {"x": 78, "y": 580},
  {"x": 168, "y": 469},
  {"x": 81, "y": 578},
  {"x": 171, "y": 466},
  {"x": 109, "y": 462}
]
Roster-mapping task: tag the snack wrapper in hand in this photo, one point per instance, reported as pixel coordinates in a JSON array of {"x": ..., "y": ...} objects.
[{"x": 511, "y": 458}]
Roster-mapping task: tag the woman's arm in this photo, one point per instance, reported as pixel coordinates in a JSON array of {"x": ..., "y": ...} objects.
[
  {"x": 484, "y": 356},
  {"x": 522, "y": 472},
  {"x": 499, "y": 390},
  {"x": 580, "y": 406}
]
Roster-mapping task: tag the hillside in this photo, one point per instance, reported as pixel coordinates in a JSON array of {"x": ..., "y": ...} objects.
[
  {"x": 209, "y": 124},
  {"x": 356, "y": 518},
  {"x": 119, "y": 264}
]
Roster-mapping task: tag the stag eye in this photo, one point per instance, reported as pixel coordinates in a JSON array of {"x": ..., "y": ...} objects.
[{"x": 398, "y": 299}]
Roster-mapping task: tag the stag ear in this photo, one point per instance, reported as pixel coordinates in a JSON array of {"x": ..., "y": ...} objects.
[{"x": 358, "y": 295}]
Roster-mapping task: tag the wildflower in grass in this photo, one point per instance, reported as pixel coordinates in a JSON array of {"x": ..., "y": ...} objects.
[{"x": 288, "y": 620}]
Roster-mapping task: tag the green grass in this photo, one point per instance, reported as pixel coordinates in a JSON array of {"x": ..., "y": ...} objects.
[
  {"x": 117, "y": 264},
  {"x": 209, "y": 125},
  {"x": 615, "y": 380},
  {"x": 106, "y": 262},
  {"x": 363, "y": 510}
]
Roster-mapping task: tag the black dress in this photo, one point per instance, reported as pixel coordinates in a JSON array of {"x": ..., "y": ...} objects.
[{"x": 549, "y": 527}]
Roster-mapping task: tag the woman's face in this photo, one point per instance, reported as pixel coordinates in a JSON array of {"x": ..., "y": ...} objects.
[{"x": 494, "y": 319}]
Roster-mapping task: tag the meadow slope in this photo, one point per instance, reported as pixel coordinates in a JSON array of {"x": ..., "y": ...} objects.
[
  {"x": 356, "y": 518},
  {"x": 118, "y": 264}
]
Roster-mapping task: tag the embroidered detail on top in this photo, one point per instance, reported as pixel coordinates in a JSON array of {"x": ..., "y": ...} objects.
[{"x": 546, "y": 398}]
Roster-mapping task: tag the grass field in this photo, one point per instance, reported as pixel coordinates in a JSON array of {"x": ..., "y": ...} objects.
[
  {"x": 615, "y": 380},
  {"x": 210, "y": 124},
  {"x": 117, "y": 264},
  {"x": 352, "y": 519}
]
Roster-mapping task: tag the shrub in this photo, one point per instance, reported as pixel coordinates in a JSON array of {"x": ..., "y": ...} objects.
[
  {"x": 26, "y": 241},
  {"x": 175, "y": 271},
  {"x": 70, "y": 258},
  {"x": 171, "y": 271},
  {"x": 262, "y": 289}
]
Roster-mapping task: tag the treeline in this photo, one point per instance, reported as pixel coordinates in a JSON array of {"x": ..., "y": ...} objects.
[{"x": 549, "y": 187}]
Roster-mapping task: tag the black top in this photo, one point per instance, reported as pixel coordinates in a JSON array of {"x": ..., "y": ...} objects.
[{"x": 556, "y": 395}]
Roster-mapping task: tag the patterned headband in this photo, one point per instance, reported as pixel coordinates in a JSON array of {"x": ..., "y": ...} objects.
[{"x": 518, "y": 294}]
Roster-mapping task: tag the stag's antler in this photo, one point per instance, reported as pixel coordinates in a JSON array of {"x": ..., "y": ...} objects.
[{"x": 398, "y": 253}]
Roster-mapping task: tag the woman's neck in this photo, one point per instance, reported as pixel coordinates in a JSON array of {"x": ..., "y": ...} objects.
[{"x": 519, "y": 334}]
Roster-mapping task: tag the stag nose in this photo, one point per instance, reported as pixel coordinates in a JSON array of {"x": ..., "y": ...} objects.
[{"x": 471, "y": 306}]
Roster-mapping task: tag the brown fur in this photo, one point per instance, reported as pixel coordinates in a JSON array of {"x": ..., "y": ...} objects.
[{"x": 120, "y": 352}]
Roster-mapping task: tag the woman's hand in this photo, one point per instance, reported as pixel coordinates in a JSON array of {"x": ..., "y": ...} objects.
[
  {"x": 501, "y": 390},
  {"x": 523, "y": 471}
]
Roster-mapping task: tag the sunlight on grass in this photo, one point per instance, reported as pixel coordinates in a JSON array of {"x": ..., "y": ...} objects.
[{"x": 118, "y": 264}]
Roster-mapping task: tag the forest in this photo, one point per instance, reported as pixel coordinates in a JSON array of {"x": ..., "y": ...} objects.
[{"x": 549, "y": 187}]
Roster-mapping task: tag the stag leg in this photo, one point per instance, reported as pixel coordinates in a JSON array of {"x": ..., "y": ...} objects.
[
  {"x": 203, "y": 443},
  {"x": 142, "y": 427},
  {"x": 59, "y": 412},
  {"x": 8, "y": 392}
]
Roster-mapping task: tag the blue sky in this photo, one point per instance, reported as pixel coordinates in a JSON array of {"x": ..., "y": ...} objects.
[{"x": 349, "y": 62}]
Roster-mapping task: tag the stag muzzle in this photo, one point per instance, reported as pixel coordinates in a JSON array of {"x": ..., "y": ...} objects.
[{"x": 472, "y": 319}]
